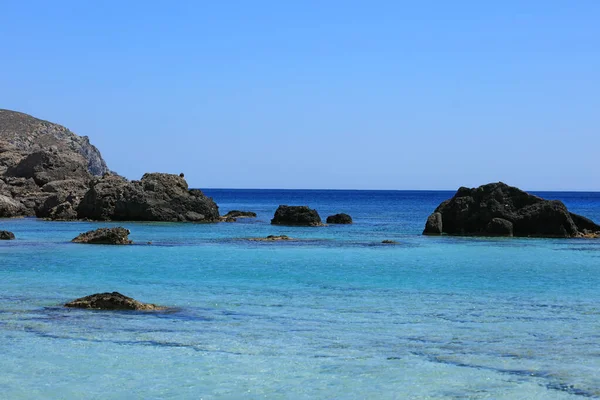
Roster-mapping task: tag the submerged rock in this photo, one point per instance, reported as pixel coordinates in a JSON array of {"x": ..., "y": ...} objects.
[
  {"x": 339, "y": 219},
  {"x": 296, "y": 216},
  {"x": 156, "y": 197},
  {"x": 6, "y": 235},
  {"x": 498, "y": 209},
  {"x": 272, "y": 238},
  {"x": 111, "y": 301},
  {"x": 387, "y": 241},
  {"x": 117, "y": 235}
]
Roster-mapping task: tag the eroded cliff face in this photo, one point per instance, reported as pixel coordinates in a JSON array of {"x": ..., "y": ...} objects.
[{"x": 22, "y": 134}]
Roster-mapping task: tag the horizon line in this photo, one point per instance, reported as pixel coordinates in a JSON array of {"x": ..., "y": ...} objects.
[{"x": 391, "y": 190}]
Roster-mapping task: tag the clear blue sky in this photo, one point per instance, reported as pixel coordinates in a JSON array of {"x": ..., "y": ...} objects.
[{"x": 318, "y": 94}]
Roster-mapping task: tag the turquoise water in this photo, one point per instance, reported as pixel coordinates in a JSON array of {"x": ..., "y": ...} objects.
[{"x": 332, "y": 315}]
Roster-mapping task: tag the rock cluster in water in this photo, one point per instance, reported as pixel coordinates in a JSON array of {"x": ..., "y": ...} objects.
[
  {"x": 296, "y": 216},
  {"x": 111, "y": 301},
  {"x": 49, "y": 172},
  {"x": 497, "y": 209},
  {"x": 156, "y": 197},
  {"x": 117, "y": 235},
  {"x": 341, "y": 218}
]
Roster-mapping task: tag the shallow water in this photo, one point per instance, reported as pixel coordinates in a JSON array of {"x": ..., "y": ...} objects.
[{"x": 335, "y": 314}]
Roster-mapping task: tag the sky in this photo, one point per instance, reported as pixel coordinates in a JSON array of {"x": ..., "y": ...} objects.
[{"x": 318, "y": 94}]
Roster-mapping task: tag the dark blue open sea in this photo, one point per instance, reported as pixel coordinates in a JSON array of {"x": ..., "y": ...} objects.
[{"x": 333, "y": 315}]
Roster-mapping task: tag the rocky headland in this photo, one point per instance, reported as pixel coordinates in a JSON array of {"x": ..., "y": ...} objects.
[
  {"x": 49, "y": 172},
  {"x": 497, "y": 209}
]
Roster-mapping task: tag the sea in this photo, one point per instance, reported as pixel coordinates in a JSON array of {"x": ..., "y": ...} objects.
[{"x": 335, "y": 314}]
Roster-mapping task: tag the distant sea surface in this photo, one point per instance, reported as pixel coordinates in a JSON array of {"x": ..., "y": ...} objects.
[{"x": 335, "y": 314}]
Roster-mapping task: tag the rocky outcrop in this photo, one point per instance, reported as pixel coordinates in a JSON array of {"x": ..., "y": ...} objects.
[
  {"x": 6, "y": 235},
  {"x": 35, "y": 155},
  {"x": 48, "y": 171},
  {"x": 296, "y": 216},
  {"x": 22, "y": 134},
  {"x": 156, "y": 197},
  {"x": 117, "y": 235},
  {"x": 497, "y": 209},
  {"x": 339, "y": 219},
  {"x": 114, "y": 301}
]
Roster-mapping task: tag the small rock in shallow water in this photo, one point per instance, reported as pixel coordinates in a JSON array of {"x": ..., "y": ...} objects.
[
  {"x": 272, "y": 238},
  {"x": 239, "y": 214},
  {"x": 389, "y": 242},
  {"x": 111, "y": 301},
  {"x": 104, "y": 236},
  {"x": 6, "y": 235}
]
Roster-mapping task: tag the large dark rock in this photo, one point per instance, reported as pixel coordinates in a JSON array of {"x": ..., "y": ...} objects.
[
  {"x": 112, "y": 301},
  {"x": 156, "y": 197},
  {"x": 499, "y": 209},
  {"x": 296, "y": 215},
  {"x": 6, "y": 235},
  {"x": 339, "y": 219},
  {"x": 117, "y": 235}
]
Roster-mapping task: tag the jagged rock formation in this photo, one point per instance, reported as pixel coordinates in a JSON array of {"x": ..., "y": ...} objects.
[
  {"x": 22, "y": 134},
  {"x": 156, "y": 197},
  {"x": 339, "y": 219},
  {"x": 35, "y": 156},
  {"x": 117, "y": 235},
  {"x": 296, "y": 215},
  {"x": 497, "y": 209},
  {"x": 112, "y": 301}
]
